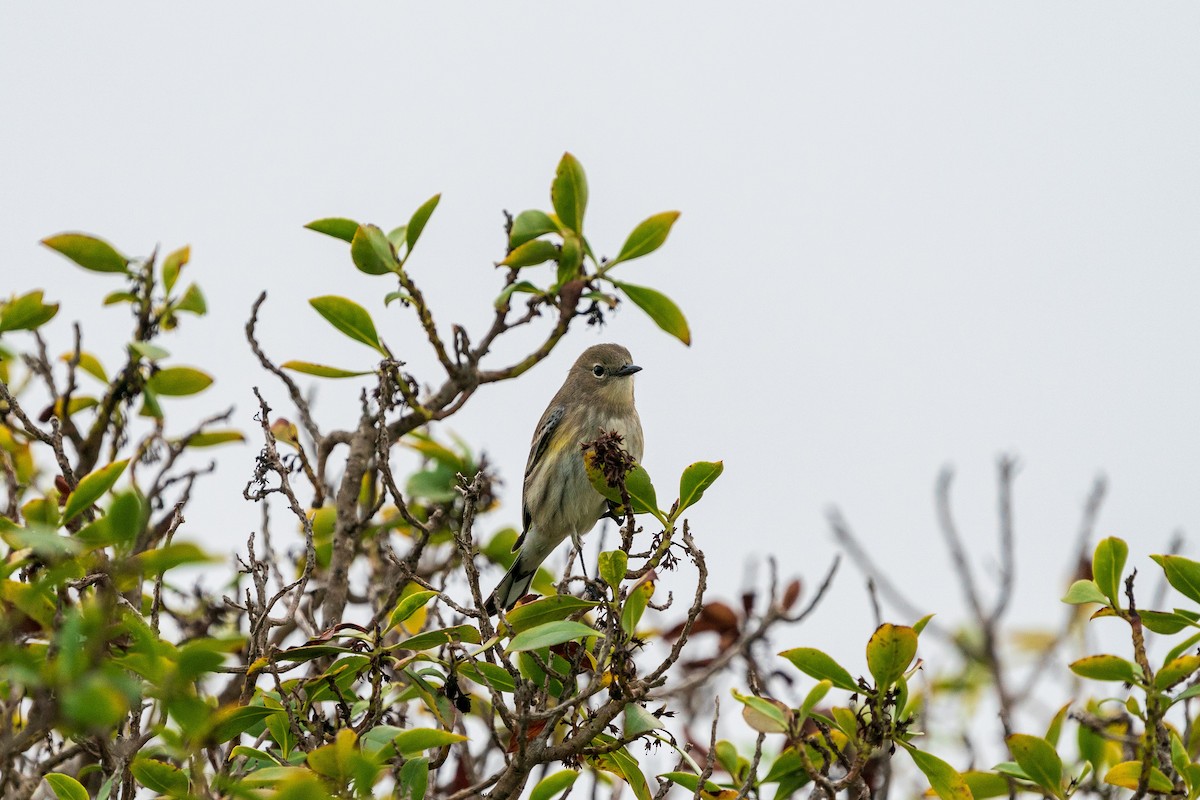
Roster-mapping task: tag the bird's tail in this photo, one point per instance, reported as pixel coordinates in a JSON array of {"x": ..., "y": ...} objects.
[{"x": 514, "y": 585}]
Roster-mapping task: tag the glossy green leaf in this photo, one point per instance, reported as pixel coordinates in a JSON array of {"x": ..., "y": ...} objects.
[
  {"x": 65, "y": 787},
  {"x": 1182, "y": 573},
  {"x": 1039, "y": 761},
  {"x": 441, "y": 636},
  {"x": 570, "y": 260},
  {"x": 690, "y": 781},
  {"x": 1107, "y": 668},
  {"x": 236, "y": 721},
  {"x": 174, "y": 262},
  {"x": 814, "y": 696},
  {"x": 321, "y": 370},
  {"x": 554, "y": 785},
  {"x": 505, "y": 296},
  {"x": 179, "y": 381},
  {"x": 372, "y": 252},
  {"x": 213, "y": 438},
  {"x": 92, "y": 487},
  {"x": 637, "y": 720},
  {"x": 944, "y": 779},
  {"x": 816, "y": 664},
  {"x": 637, "y": 484},
  {"x": 549, "y": 634},
  {"x": 612, "y": 567},
  {"x": 337, "y": 227},
  {"x": 89, "y": 364},
  {"x": 414, "y": 778},
  {"x": 1128, "y": 775},
  {"x": 532, "y": 253},
  {"x": 620, "y": 763},
  {"x": 1165, "y": 622},
  {"x": 170, "y": 556},
  {"x": 546, "y": 609},
  {"x": 1175, "y": 670},
  {"x": 647, "y": 237},
  {"x": 350, "y": 318},
  {"x": 26, "y": 313},
  {"x": 158, "y": 776},
  {"x": 416, "y": 225},
  {"x": 1108, "y": 562},
  {"x": 984, "y": 785},
  {"x": 529, "y": 225},
  {"x": 695, "y": 481},
  {"x": 889, "y": 652},
  {"x": 489, "y": 675},
  {"x": 1084, "y": 591},
  {"x": 409, "y": 605},
  {"x": 88, "y": 252},
  {"x": 149, "y": 351},
  {"x": 660, "y": 308},
  {"x": 192, "y": 301},
  {"x": 569, "y": 193},
  {"x": 764, "y": 715}
]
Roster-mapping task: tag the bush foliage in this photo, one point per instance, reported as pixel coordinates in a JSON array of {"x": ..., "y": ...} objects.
[{"x": 345, "y": 654}]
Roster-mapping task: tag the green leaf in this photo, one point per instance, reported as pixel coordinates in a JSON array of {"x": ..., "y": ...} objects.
[
  {"x": 532, "y": 253},
  {"x": 65, "y": 787},
  {"x": 350, "y": 318},
  {"x": 322, "y": 371},
  {"x": 88, "y": 252},
  {"x": 92, "y": 487},
  {"x": 1182, "y": 573},
  {"x": 552, "y": 785},
  {"x": 489, "y": 675},
  {"x": 816, "y": 664},
  {"x": 647, "y": 237},
  {"x": 192, "y": 301},
  {"x": 764, "y": 715},
  {"x": 1175, "y": 670},
  {"x": 529, "y": 225},
  {"x": 690, "y": 781},
  {"x": 1039, "y": 761},
  {"x": 172, "y": 264},
  {"x": 171, "y": 556},
  {"x": 1107, "y": 668},
  {"x": 441, "y": 636},
  {"x": 984, "y": 785},
  {"x": 337, "y": 227},
  {"x": 569, "y": 193},
  {"x": 638, "y": 720},
  {"x": 1082, "y": 592},
  {"x": 236, "y": 721},
  {"x": 570, "y": 259},
  {"x": 814, "y": 696},
  {"x": 660, "y": 308},
  {"x": 1128, "y": 775},
  {"x": 158, "y": 776},
  {"x": 620, "y": 763},
  {"x": 372, "y": 252},
  {"x": 944, "y": 779},
  {"x": 549, "y": 634},
  {"x": 149, "y": 351},
  {"x": 546, "y": 609},
  {"x": 409, "y": 605},
  {"x": 416, "y": 225},
  {"x": 112, "y": 298},
  {"x": 612, "y": 566},
  {"x": 414, "y": 778},
  {"x": 637, "y": 484},
  {"x": 695, "y": 481},
  {"x": 179, "y": 381},
  {"x": 213, "y": 438},
  {"x": 88, "y": 363},
  {"x": 889, "y": 652},
  {"x": 417, "y": 740},
  {"x": 1108, "y": 562},
  {"x": 26, "y": 313},
  {"x": 1164, "y": 622},
  {"x": 505, "y": 296}
]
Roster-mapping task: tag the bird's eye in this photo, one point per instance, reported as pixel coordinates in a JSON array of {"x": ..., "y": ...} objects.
[{"x": 598, "y": 371}]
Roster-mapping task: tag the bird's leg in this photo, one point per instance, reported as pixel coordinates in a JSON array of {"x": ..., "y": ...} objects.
[{"x": 577, "y": 541}]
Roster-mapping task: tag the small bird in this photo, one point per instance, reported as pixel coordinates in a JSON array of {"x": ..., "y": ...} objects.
[{"x": 557, "y": 499}]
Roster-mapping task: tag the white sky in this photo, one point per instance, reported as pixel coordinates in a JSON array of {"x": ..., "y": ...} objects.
[{"x": 912, "y": 235}]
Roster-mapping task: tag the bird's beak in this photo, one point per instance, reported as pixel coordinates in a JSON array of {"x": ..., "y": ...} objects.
[{"x": 629, "y": 369}]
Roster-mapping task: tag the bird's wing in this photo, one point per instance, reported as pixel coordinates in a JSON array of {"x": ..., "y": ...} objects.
[{"x": 541, "y": 441}]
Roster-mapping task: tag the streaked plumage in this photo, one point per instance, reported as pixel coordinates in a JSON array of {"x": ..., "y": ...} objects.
[{"x": 557, "y": 500}]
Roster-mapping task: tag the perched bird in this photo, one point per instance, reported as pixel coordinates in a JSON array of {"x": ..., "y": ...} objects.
[{"x": 557, "y": 499}]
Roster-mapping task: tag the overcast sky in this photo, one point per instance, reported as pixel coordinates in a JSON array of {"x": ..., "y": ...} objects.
[{"x": 911, "y": 235}]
